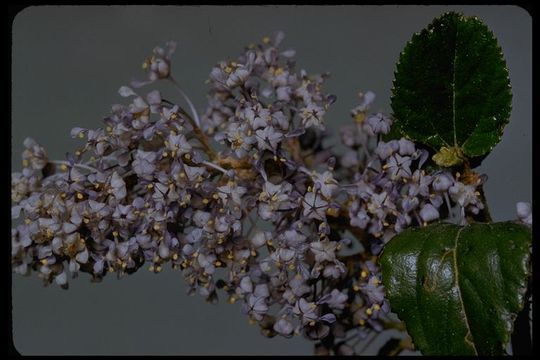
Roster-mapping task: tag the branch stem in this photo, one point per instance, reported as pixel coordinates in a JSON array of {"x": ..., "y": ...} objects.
[{"x": 80, "y": 166}]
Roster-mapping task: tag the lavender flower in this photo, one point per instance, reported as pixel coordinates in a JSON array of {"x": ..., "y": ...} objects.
[
  {"x": 524, "y": 212},
  {"x": 158, "y": 66},
  {"x": 260, "y": 218}
]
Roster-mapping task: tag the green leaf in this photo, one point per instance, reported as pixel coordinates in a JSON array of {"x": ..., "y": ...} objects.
[
  {"x": 458, "y": 289},
  {"x": 452, "y": 90}
]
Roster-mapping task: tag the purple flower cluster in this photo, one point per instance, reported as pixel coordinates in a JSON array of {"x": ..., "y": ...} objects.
[{"x": 245, "y": 199}]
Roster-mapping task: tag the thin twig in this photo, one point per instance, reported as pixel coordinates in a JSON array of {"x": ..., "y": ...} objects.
[
  {"x": 190, "y": 104},
  {"x": 80, "y": 166}
]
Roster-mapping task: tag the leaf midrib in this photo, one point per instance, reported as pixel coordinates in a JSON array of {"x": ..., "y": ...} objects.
[
  {"x": 454, "y": 250},
  {"x": 454, "y": 85}
]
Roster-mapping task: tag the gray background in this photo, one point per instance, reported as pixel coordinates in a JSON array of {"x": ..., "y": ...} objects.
[{"x": 68, "y": 63}]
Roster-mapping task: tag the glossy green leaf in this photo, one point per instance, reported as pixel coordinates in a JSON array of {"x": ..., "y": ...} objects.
[
  {"x": 452, "y": 90},
  {"x": 458, "y": 289}
]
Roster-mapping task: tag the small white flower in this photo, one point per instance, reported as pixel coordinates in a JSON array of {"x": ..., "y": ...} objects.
[
  {"x": 314, "y": 206},
  {"x": 268, "y": 138},
  {"x": 312, "y": 115},
  {"x": 524, "y": 212}
]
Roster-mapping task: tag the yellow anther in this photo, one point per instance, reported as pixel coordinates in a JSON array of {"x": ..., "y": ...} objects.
[
  {"x": 205, "y": 201},
  {"x": 332, "y": 212},
  {"x": 158, "y": 268},
  {"x": 362, "y": 322},
  {"x": 215, "y": 196},
  {"x": 27, "y": 221},
  {"x": 360, "y": 117},
  {"x": 175, "y": 256},
  {"x": 232, "y": 300},
  {"x": 44, "y": 262},
  {"x": 218, "y": 263},
  {"x": 63, "y": 167},
  {"x": 81, "y": 135},
  {"x": 312, "y": 323},
  {"x": 266, "y": 39},
  {"x": 377, "y": 307},
  {"x": 165, "y": 154},
  {"x": 269, "y": 242},
  {"x": 187, "y": 156},
  {"x": 25, "y": 163},
  {"x": 80, "y": 196},
  {"x": 150, "y": 186},
  {"x": 151, "y": 268},
  {"x": 363, "y": 274},
  {"x": 369, "y": 311},
  {"x": 156, "y": 227},
  {"x": 356, "y": 287}
]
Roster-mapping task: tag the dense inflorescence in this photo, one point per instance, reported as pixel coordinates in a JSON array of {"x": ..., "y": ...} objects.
[{"x": 245, "y": 199}]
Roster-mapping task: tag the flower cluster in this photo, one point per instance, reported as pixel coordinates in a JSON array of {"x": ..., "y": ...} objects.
[{"x": 245, "y": 201}]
